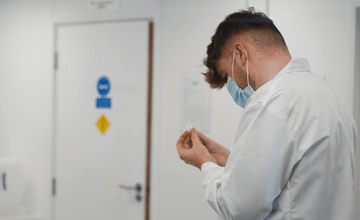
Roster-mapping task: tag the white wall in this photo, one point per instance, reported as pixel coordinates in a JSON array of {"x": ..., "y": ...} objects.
[
  {"x": 26, "y": 94},
  {"x": 322, "y": 31}
]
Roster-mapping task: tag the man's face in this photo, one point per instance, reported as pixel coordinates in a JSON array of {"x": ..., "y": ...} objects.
[{"x": 224, "y": 67}]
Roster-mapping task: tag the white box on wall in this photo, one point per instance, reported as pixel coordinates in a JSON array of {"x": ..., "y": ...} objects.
[{"x": 196, "y": 103}]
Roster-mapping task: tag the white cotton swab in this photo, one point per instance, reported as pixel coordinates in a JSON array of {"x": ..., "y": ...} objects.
[{"x": 188, "y": 127}]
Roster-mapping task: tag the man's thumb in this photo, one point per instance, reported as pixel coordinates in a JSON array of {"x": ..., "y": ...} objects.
[{"x": 195, "y": 138}]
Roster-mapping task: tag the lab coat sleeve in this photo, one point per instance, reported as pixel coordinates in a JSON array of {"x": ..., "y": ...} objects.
[
  {"x": 212, "y": 174},
  {"x": 258, "y": 168}
]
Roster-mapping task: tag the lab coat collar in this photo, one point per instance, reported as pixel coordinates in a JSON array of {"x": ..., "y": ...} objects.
[{"x": 295, "y": 65}]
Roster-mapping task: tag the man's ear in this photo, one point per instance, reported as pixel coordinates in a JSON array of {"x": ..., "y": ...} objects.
[{"x": 240, "y": 49}]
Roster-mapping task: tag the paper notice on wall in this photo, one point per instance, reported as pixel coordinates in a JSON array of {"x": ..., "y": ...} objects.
[
  {"x": 196, "y": 103},
  {"x": 102, "y": 5}
]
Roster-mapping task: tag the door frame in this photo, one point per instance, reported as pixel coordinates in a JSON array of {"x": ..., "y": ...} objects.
[
  {"x": 356, "y": 92},
  {"x": 149, "y": 105}
]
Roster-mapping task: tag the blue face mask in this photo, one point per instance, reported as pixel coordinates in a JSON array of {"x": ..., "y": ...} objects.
[{"x": 240, "y": 96}]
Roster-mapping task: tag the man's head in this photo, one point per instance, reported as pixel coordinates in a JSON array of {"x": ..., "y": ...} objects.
[{"x": 251, "y": 35}]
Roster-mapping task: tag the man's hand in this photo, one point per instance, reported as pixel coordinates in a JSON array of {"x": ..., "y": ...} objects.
[
  {"x": 196, "y": 154},
  {"x": 218, "y": 152}
]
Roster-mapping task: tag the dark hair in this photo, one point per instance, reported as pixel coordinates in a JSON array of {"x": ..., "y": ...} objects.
[{"x": 260, "y": 31}]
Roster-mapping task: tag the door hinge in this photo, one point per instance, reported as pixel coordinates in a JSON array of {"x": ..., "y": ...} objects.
[
  {"x": 56, "y": 61},
  {"x": 54, "y": 186}
]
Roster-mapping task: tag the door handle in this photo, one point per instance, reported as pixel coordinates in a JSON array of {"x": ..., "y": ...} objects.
[{"x": 137, "y": 188}]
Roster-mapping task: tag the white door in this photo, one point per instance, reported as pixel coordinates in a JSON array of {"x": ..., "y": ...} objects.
[{"x": 100, "y": 65}]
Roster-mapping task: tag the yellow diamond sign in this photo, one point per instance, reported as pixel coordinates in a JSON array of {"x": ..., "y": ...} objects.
[{"x": 103, "y": 124}]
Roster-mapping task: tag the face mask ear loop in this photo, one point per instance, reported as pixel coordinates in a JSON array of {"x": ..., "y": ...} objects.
[
  {"x": 247, "y": 68},
  {"x": 232, "y": 67}
]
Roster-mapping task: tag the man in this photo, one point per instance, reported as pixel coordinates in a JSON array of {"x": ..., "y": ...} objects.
[{"x": 293, "y": 157}]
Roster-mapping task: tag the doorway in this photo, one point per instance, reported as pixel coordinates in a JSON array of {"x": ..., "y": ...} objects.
[{"x": 102, "y": 120}]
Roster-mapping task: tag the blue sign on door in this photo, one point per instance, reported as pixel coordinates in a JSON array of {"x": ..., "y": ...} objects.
[{"x": 103, "y": 88}]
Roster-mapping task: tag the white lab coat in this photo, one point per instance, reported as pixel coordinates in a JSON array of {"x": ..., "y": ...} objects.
[{"x": 293, "y": 157}]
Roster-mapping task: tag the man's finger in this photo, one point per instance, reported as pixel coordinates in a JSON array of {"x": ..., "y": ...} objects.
[
  {"x": 187, "y": 143},
  {"x": 181, "y": 149},
  {"x": 202, "y": 137},
  {"x": 195, "y": 139},
  {"x": 183, "y": 152},
  {"x": 183, "y": 137}
]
